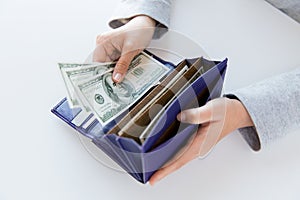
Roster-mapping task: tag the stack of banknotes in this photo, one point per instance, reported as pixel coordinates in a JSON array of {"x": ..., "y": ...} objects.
[{"x": 90, "y": 85}]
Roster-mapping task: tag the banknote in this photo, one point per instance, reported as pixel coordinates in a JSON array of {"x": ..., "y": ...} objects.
[
  {"x": 63, "y": 67},
  {"x": 82, "y": 74},
  {"x": 73, "y": 74},
  {"x": 108, "y": 100}
]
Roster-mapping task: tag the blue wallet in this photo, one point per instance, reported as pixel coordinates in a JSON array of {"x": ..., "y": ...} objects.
[{"x": 142, "y": 156}]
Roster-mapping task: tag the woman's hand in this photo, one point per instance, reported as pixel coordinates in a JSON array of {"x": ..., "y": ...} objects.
[
  {"x": 124, "y": 43},
  {"x": 218, "y": 118}
]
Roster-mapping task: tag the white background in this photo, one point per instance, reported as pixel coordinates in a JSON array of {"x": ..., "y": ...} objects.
[{"x": 42, "y": 158}]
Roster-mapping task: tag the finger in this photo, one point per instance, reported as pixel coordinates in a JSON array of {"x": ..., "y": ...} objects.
[
  {"x": 191, "y": 152},
  {"x": 210, "y": 139},
  {"x": 196, "y": 115},
  {"x": 99, "y": 54},
  {"x": 160, "y": 174},
  {"x": 122, "y": 66}
]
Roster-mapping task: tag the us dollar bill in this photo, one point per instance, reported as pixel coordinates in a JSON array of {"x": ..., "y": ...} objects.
[
  {"x": 73, "y": 74},
  {"x": 108, "y": 100}
]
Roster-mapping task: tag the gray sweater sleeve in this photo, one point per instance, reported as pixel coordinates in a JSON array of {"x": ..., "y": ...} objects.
[
  {"x": 159, "y": 10},
  {"x": 274, "y": 107},
  {"x": 289, "y": 7}
]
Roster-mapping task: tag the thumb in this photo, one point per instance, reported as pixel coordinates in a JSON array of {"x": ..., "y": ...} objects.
[
  {"x": 196, "y": 115},
  {"x": 122, "y": 65}
]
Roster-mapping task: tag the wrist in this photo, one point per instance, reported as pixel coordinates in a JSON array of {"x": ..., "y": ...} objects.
[
  {"x": 148, "y": 20},
  {"x": 145, "y": 20},
  {"x": 241, "y": 114}
]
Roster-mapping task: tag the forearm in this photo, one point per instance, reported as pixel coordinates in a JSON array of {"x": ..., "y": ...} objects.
[{"x": 274, "y": 107}]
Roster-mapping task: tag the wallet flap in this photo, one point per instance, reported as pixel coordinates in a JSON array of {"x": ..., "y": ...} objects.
[
  {"x": 67, "y": 114},
  {"x": 122, "y": 155},
  {"x": 155, "y": 159},
  {"x": 105, "y": 145}
]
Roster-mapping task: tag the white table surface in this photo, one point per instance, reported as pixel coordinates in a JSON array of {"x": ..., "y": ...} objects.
[{"x": 42, "y": 158}]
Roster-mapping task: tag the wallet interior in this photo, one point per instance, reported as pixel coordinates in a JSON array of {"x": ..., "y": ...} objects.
[{"x": 141, "y": 118}]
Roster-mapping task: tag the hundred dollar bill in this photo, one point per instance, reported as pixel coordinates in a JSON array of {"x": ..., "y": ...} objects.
[
  {"x": 69, "y": 66},
  {"x": 108, "y": 99},
  {"x": 82, "y": 74},
  {"x": 73, "y": 74}
]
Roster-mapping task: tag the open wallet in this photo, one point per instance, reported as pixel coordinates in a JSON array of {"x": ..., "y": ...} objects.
[{"x": 148, "y": 134}]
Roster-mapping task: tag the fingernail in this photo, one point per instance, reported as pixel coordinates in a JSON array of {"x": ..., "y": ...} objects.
[
  {"x": 117, "y": 77},
  {"x": 181, "y": 117}
]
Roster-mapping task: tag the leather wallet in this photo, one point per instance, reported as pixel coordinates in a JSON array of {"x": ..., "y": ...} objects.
[{"x": 148, "y": 135}]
